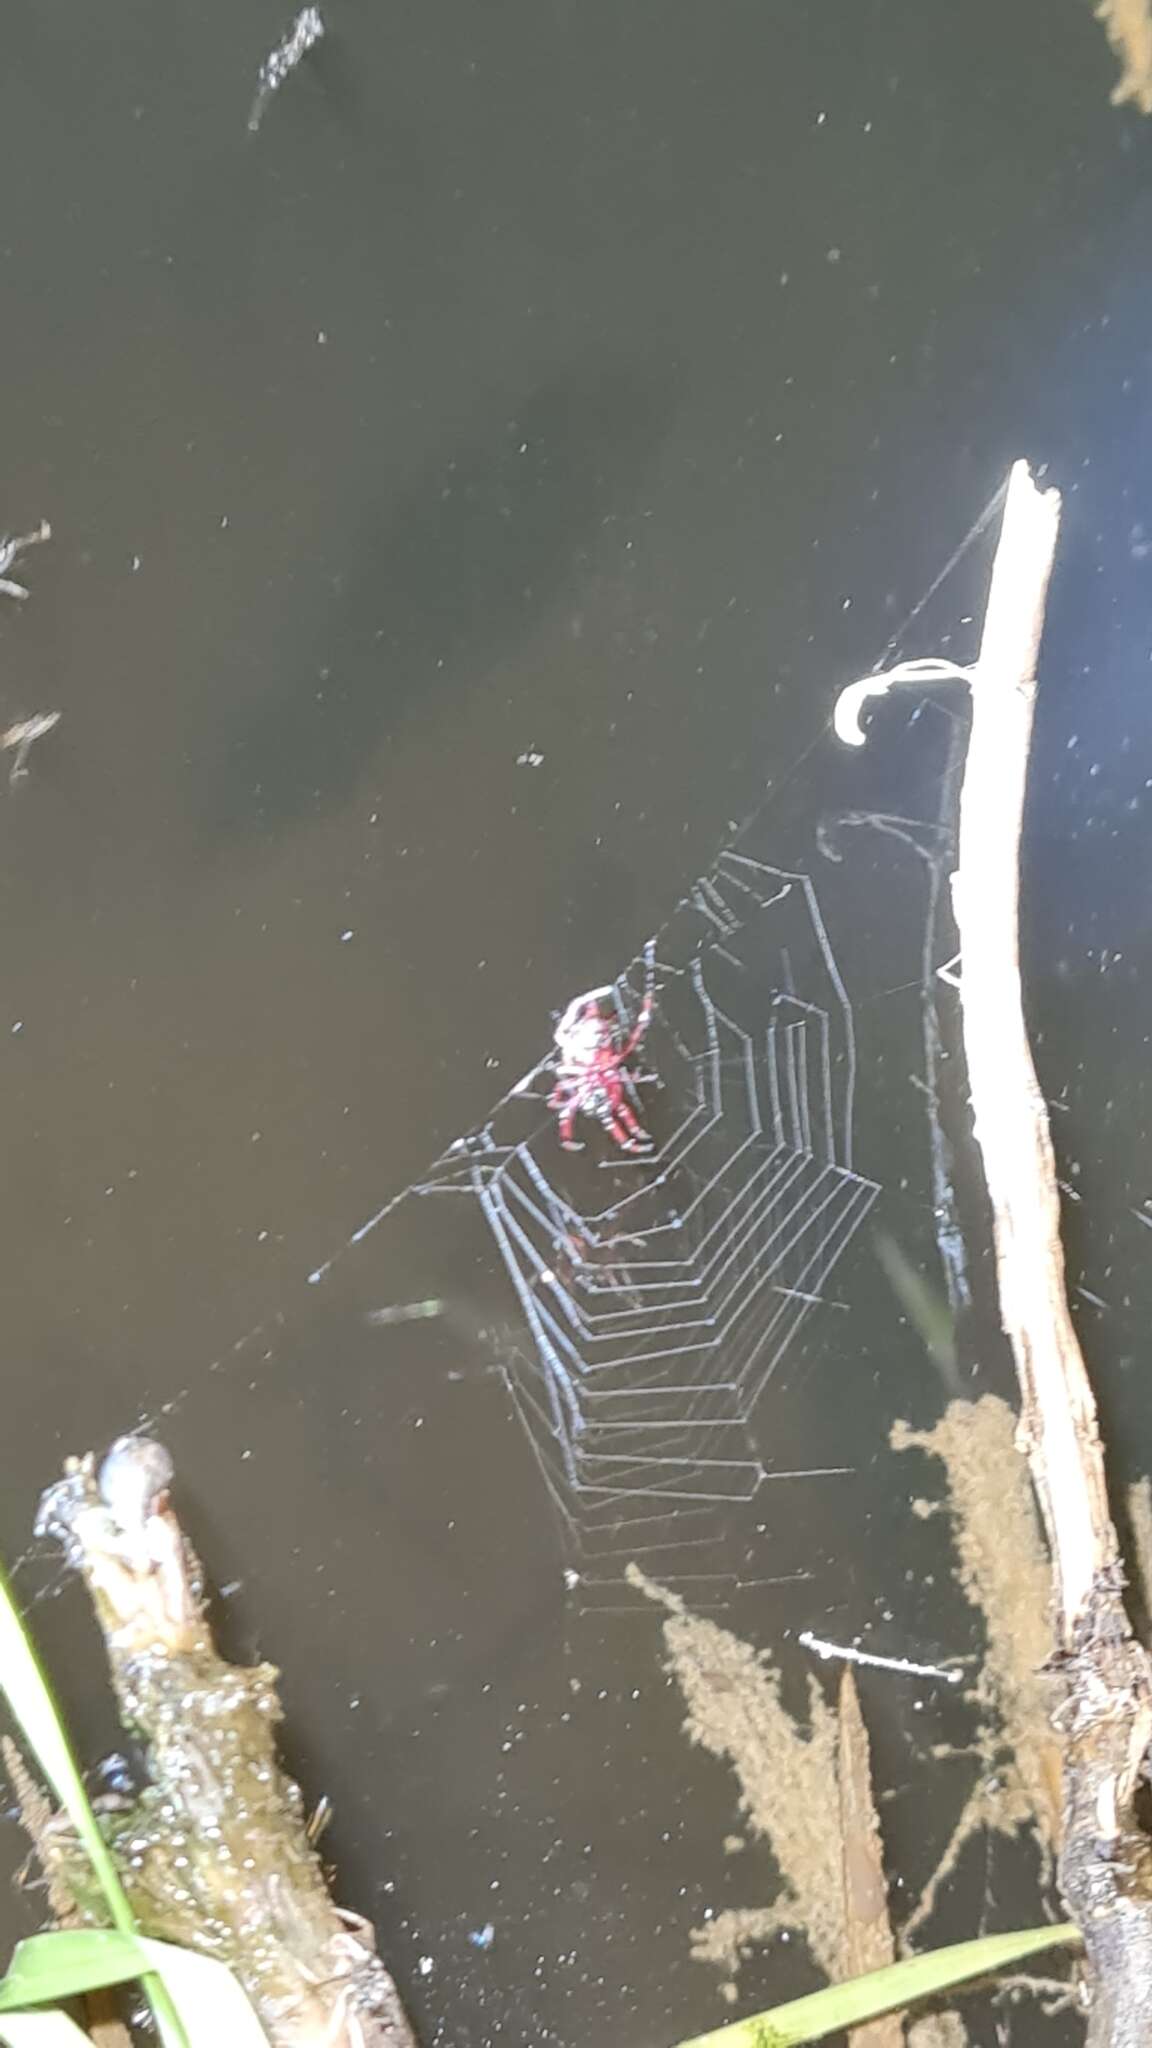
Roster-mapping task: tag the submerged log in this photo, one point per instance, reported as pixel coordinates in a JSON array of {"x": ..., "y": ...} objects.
[{"x": 215, "y": 1853}]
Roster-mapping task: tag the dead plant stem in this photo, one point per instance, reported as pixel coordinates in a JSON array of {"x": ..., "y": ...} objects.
[{"x": 1106, "y": 1861}]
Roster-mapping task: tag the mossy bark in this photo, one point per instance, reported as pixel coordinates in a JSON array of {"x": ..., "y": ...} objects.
[{"x": 215, "y": 1853}]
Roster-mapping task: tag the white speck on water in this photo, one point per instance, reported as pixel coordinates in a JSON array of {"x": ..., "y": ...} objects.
[
  {"x": 482, "y": 1937},
  {"x": 425, "y": 1966},
  {"x": 529, "y": 759},
  {"x": 832, "y": 255},
  {"x": 321, "y": 336},
  {"x": 18, "y": 1026},
  {"x": 345, "y": 936},
  {"x": 135, "y": 563}
]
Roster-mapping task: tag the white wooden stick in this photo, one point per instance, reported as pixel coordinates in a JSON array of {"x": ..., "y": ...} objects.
[{"x": 1106, "y": 1716}]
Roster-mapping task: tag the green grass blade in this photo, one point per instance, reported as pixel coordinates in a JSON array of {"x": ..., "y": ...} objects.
[
  {"x": 881, "y": 1991},
  {"x": 30, "y": 1697},
  {"x": 41, "y": 2030},
  {"x": 212, "y": 2004},
  {"x": 209, "y": 2003},
  {"x": 48, "y": 1968}
]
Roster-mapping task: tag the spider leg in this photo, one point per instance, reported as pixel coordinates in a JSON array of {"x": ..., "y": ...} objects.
[
  {"x": 626, "y": 1128},
  {"x": 566, "y": 1104}
]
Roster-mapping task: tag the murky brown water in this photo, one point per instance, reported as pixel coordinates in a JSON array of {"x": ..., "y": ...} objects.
[{"x": 599, "y": 385}]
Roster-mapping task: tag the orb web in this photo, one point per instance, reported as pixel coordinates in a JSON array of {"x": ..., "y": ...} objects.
[{"x": 661, "y": 1293}]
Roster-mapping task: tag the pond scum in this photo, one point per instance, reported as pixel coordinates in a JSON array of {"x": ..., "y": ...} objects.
[
  {"x": 1128, "y": 26},
  {"x": 806, "y": 1791}
]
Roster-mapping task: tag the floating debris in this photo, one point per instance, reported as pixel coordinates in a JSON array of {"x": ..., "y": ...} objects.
[
  {"x": 404, "y": 1312},
  {"x": 12, "y": 545},
  {"x": 1128, "y": 26},
  {"x": 1002, "y": 1567},
  {"x": 22, "y": 737},
  {"x": 927, "y": 1309},
  {"x": 305, "y": 32},
  {"x": 789, "y": 1791},
  {"x": 851, "y": 1656}
]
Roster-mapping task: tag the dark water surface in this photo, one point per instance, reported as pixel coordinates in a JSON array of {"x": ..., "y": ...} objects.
[{"x": 603, "y": 384}]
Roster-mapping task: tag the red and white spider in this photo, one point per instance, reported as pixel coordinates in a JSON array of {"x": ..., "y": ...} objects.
[{"x": 592, "y": 1072}]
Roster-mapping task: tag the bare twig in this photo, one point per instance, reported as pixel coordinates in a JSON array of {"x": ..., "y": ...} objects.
[
  {"x": 13, "y": 545},
  {"x": 306, "y": 31},
  {"x": 849, "y": 1655},
  {"x": 19, "y": 740},
  {"x": 1106, "y": 1717}
]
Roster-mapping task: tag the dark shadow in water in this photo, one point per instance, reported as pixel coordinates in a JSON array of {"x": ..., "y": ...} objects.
[{"x": 449, "y": 576}]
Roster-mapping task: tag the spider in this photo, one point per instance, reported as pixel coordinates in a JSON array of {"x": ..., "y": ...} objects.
[{"x": 592, "y": 1071}]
